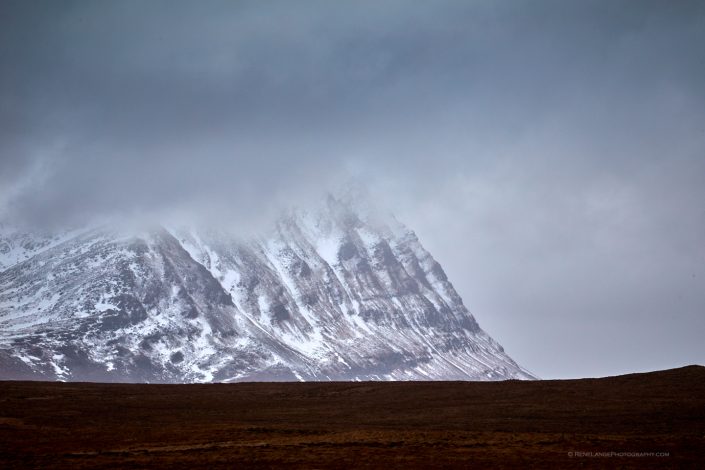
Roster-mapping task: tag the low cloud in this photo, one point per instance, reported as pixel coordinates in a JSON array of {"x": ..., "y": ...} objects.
[{"x": 550, "y": 155}]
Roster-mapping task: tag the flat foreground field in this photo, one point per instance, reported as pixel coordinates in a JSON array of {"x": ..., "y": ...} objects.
[{"x": 628, "y": 421}]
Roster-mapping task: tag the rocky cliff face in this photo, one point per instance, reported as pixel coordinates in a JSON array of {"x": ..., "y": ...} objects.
[{"x": 334, "y": 294}]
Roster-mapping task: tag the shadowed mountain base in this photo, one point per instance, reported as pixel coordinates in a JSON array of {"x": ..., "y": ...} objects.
[{"x": 627, "y": 421}]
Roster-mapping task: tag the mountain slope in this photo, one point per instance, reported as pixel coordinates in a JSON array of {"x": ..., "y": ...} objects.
[{"x": 335, "y": 294}]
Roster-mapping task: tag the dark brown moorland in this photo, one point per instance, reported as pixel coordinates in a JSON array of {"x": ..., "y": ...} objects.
[{"x": 359, "y": 425}]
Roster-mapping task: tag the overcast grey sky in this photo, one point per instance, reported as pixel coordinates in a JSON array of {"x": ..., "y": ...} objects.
[{"x": 550, "y": 154}]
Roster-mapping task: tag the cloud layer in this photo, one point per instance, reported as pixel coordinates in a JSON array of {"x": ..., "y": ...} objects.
[{"x": 551, "y": 155}]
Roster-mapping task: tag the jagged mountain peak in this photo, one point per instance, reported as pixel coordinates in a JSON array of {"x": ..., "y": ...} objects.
[{"x": 339, "y": 292}]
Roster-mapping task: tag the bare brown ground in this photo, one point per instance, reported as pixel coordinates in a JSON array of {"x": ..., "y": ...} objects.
[{"x": 359, "y": 425}]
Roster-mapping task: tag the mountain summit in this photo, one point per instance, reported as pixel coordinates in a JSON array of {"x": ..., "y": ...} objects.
[{"x": 332, "y": 294}]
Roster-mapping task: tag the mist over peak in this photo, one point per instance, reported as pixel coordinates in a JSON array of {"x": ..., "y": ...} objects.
[{"x": 552, "y": 150}]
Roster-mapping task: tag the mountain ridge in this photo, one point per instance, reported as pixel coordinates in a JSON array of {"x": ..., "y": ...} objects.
[{"x": 329, "y": 294}]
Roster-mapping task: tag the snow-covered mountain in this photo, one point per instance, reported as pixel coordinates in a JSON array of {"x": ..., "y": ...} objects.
[{"x": 332, "y": 294}]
